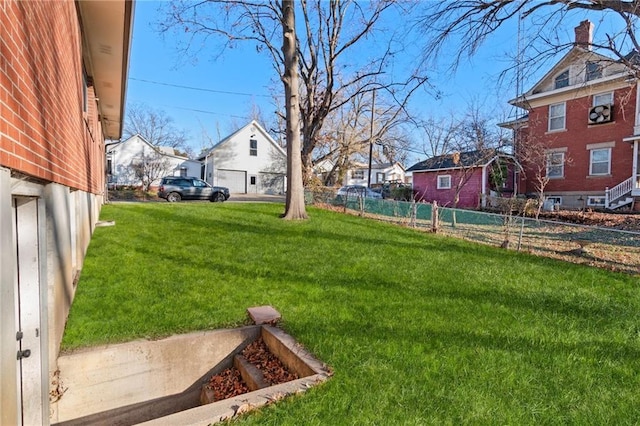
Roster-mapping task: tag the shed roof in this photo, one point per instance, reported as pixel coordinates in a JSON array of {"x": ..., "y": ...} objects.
[{"x": 477, "y": 158}]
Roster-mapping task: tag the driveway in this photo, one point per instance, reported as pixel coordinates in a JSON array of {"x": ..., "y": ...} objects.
[{"x": 253, "y": 198}]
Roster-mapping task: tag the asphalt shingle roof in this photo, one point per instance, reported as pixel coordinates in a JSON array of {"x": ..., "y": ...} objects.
[{"x": 467, "y": 159}]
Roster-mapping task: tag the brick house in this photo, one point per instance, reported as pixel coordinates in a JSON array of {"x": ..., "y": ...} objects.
[
  {"x": 582, "y": 118},
  {"x": 473, "y": 175},
  {"x": 63, "y": 74}
]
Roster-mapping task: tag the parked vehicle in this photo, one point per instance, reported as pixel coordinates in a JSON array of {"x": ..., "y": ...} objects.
[
  {"x": 355, "y": 191},
  {"x": 176, "y": 188}
]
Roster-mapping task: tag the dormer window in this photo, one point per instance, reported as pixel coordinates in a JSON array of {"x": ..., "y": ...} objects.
[
  {"x": 593, "y": 71},
  {"x": 562, "y": 80}
]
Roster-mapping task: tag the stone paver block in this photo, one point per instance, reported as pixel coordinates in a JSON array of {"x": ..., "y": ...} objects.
[{"x": 264, "y": 315}]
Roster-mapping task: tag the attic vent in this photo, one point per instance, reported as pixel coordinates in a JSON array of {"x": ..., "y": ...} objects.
[
  {"x": 105, "y": 49},
  {"x": 601, "y": 114}
]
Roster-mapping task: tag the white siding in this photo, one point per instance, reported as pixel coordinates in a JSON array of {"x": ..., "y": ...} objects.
[{"x": 233, "y": 155}]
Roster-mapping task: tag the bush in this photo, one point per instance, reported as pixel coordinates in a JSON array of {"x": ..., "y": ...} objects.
[{"x": 402, "y": 193}]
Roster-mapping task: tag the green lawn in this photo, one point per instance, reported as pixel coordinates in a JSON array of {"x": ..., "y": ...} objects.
[{"x": 418, "y": 328}]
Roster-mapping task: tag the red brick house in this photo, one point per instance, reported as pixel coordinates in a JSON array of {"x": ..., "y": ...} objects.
[
  {"x": 582, "y": 119},
  {"x": 63, "y": 74},
  {"x": 472, "y": 175}
]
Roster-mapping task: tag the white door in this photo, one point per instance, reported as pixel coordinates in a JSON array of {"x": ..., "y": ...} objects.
[{"x": 27, "y": 282}]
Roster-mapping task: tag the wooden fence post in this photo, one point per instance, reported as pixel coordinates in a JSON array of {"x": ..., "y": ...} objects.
[{"x": 434, "y": 217}]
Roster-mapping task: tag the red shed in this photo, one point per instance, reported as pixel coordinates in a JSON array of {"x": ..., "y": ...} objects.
[{"x": 469, "y": 176}]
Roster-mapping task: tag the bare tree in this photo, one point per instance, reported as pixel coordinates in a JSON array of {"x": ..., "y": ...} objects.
[
  {"x": 334, "y": 30},
  {"x": 440, "y": 135},
  {"x": 468, "y": 23},
  {"x": 347, "y": 132},
  {"x": 295, "y": 207},
  {"x": 329, "y": 51},
  {"x": 540, "y": 164},
  {"x": 156, "y": 127},
  {"x": 149, "y": 167}
]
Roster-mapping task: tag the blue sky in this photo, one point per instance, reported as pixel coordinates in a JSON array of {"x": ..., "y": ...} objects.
[{"x": 231, "y": 84}]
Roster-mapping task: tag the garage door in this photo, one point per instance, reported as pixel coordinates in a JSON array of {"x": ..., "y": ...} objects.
[
  {"x": 235, "y": 180},
  {"x": 271, "y": 183}
]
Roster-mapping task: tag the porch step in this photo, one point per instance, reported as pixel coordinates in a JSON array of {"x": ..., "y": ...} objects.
[{"x": 620, "y": 203}]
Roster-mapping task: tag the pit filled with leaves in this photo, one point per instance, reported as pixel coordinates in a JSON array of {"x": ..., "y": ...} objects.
[{"x": 229, "y": 383}]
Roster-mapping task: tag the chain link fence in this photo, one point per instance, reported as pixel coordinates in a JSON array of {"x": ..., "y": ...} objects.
[{"x": 601, "y": 247}]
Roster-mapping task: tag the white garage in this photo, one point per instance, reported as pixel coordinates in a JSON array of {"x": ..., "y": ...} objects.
[
  {"x": 247, "y": 161},
  {"x": 271, "y": 183},
  {"x": 235, "y": 180}
]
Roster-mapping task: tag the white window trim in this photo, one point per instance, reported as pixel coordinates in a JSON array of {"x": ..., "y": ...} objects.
[
  {"x": 594, "y": 103},
  {"x": 591, "y": 204},
  {"x": 591, "y": 162},
  {"x": 586, "y": 70},
  {"x": 564, "y": 117},
  {"x": 357, "y": 174},
  {"x": 442, "y": 186},
  {"x": 557, "y": 199},
  {"x": 548, "y": 154},
  {"x": 568, "y": 79}
]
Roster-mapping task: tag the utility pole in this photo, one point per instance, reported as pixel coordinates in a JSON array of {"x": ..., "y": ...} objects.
[{"x": 373, "y": 106}]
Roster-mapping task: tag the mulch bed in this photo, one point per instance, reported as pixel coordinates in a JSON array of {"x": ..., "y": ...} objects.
[{"x": 229, "y": 383}]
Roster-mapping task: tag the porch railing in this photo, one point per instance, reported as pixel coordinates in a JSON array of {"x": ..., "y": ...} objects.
[{"x": 618, "y": 191}]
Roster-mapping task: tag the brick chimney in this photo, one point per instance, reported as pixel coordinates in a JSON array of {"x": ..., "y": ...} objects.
[{"x": 584, "y": 34}]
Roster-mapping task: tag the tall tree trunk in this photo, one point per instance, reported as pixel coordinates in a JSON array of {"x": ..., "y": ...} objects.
[{"x": 294, "y": 207}]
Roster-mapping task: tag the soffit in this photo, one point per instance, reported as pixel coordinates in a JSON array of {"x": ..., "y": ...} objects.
[{"x": 106, "y": 29}]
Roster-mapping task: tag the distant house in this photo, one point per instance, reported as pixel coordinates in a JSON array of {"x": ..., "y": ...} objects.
[
  {"x": 126, "y": 160},
  {"x": 380, "y": 173},
  {"x": 247, "y": 161},
  {"x": 584, "y": 115},
  {"x": 472, "y": 174}
]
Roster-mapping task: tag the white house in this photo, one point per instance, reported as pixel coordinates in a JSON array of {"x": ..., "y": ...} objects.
[
  {"x": 136, "y": 153},
  {"x": 247, "y": 161},
  {"x": 380, "y": 173}
]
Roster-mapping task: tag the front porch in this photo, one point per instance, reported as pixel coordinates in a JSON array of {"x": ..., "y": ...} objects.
[{"x": 625, "y": 192}]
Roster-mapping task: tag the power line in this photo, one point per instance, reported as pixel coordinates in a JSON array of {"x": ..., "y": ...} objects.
[
  {"x": 200, "y": 89},
  {"x": 195, "y": 110}
]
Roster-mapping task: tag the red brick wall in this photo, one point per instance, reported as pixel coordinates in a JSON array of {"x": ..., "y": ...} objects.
[
  {"x": 43, "y": 129},
  {"x": 578, "y": 135}
]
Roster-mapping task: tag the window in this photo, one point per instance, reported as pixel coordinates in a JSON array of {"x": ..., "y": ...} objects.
[
  {"x": 600, "y": 162},
  {"x": 553, "y": 202},
  {"x": 595, "y": 201},
  {"x": 379, "y": 177},
  {"x": 556, "y": 117},
  {"x": 358, "y": 174},
  {"x": 252, "y": 180},
  {"x": 593, "y": 71},
  {"x": 444, "y": 182},
  {"x": 253, "y": 147},
  {"x": 603, "y": 99},
  {"x": 555, "y": 164},
  {"x": 562, "y": 80},
  {"x": 183, "y": 171}
]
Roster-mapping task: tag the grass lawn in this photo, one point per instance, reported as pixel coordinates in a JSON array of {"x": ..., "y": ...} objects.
[{"x": 418, "y": 328}]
